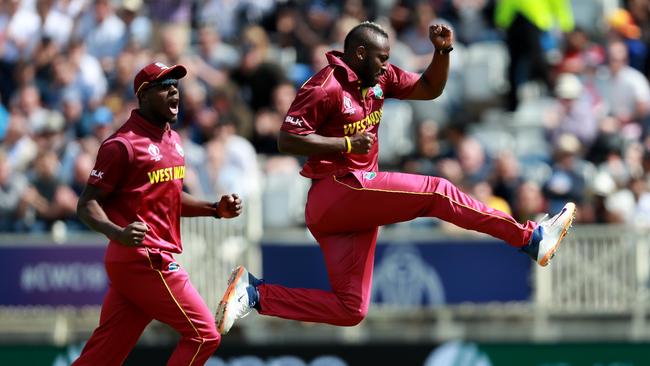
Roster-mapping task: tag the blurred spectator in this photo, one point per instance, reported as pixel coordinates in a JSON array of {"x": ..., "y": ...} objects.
[
  {"x": 216, "y": 53},
  {"x": 506, "y": 177},
  {"x": 56, "y": 26},
  {"x": 529, "y": 25},
  {"x": 28, "y": 102},
  {"x": 139, "y": 29},
  {"x": 427, "y": 150},
  {"x": 482, "y": 191},
  {"x": 46, "y": 200},
  {"x": 567, "y": 182},
  {"x": 624, "y": 28},
  {"x": 19, "y": 146},
  {"x": 530, "y": 202},
  {"x": 631, "y": 205},
  {"x": 269, "y": 121},
  {"x": 103, "y": 32},
  {"x": 230, "y": 166},
  {"x": 472, "y": 23},
  {"x": 574, "y": 112},
  {"x": 230, "y": 104},
  {"x": 625, "y": 90},
  {"x": 416, "y": 36},
  {"x": 89, "y": 72},
  {"x": 20, "y": 27},
  {"x": 12, "y": 185},
  {"x": 579, "y": 52},
  {"x": 473, "y": 160},
  {"x": 257, "y": 73}
]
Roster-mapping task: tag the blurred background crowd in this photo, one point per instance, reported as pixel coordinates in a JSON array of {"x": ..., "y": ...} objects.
[{"x": 547, "y": 100}]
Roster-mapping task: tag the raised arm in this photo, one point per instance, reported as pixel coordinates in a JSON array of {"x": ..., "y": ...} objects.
[{"x": 433, "y": 79}]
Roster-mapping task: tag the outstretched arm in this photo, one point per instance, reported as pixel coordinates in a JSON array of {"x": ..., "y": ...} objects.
[
  {"x": 92, "y": 214},
  {"x": 229, "y": 206},
  {"x": 433, "y": 79}
]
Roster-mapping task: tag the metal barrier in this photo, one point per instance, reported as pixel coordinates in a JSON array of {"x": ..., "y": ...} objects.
[
  {"x": 598, "y": 270},
  {"x": 211, "y": 248}
]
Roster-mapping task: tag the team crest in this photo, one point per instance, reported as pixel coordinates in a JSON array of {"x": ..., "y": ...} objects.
[
  {"x": 154, "y": 151},
  {"x": 173, "y": 267},
  {"x": 379, "y": 94},
  {"x": 179, "y": 149},
  {"x": 370, "y": 175},
  {"x": 347, "y": 104}
]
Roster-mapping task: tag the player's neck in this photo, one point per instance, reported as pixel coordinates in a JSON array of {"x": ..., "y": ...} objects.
[{"x": 150, "y": 118}]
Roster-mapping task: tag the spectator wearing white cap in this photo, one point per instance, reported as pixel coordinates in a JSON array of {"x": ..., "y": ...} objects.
[{"x": 574, "y": 112}]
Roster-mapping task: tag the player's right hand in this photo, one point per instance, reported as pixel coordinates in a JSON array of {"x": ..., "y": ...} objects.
[
  {"x": 362, "y": 142},
  {"x": 133, "y": 234}
]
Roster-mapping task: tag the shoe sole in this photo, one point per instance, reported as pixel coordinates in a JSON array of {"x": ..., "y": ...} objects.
[
  {"x": 222, "y": 309},
  {"x": 565, "y": 229}
]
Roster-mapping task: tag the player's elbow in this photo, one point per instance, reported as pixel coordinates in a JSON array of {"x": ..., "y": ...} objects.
[
  {"x": 353, "y": 318},
  {"x": 285, "y": 144}
]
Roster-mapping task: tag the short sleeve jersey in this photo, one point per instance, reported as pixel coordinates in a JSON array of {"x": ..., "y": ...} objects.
[
  {"x": 142, "y": 167},
  {"x": 333, "y": 104}
]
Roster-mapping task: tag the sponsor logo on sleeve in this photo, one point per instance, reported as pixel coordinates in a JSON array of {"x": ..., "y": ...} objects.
[
  {"x": 154, "y": 151},
  {"x": 173, "y": 267},
  {"x": 296, "y": 121},
  {"x": 97, "y": 174}
]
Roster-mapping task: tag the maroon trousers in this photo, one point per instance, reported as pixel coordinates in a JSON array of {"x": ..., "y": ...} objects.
[
  {"x": 147, "y": 284},
  {"x": 344, "y": 214}
]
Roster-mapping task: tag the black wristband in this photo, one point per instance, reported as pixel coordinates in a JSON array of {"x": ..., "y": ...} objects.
[
  {"x": 216, "y": 211},
  {"x": 445, "y": 51}
]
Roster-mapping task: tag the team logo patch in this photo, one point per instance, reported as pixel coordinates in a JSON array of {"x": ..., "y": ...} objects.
[
  {"x": 154, "y": 151},
  {"x": 379, "y": 94},
  {"x": 173, "y": 267},
  {"x": 347, "y": 104},
  {"x": 179, "y": 149},
  {"x": 370, "y": 175}
]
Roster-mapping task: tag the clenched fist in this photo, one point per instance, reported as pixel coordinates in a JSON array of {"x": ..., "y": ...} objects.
[
  {"x": 362, "y": 142},
  {"x": 441, "y": 36}
]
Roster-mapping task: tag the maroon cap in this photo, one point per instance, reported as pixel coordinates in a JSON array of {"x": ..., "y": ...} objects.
[{"x": 156, "y": 71}]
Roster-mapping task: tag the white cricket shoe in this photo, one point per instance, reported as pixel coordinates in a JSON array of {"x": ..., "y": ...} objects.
[
  {"x": 548, "y": 235},
  {"x": 240, "y": 298}
]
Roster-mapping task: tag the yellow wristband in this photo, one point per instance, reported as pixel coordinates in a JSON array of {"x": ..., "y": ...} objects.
[{"x": 348, "y": 144}]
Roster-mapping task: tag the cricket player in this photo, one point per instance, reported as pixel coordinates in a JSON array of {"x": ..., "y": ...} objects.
[
  {"x": 134, "y": 196},
  {"x": 334, "y": 120}
]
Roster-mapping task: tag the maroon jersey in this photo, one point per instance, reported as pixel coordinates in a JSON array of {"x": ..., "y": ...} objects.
[
  {"x": 142, "y": 167},
  {"x": 332, "y": 104}
]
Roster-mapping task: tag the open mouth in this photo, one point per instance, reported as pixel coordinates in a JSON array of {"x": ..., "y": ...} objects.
[{"x": 173, "y": 106}]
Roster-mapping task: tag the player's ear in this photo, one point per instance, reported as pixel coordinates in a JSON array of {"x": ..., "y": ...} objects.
[{"x": 361, "y": 52}]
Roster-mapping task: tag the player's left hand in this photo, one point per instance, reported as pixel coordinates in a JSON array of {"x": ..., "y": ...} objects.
[
  {"x": 229, "y": 206},
  {"x": 441, "y": 36}
]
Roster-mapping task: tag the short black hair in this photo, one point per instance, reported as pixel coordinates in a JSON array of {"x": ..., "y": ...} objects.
[{"x": 360, "y": 35}]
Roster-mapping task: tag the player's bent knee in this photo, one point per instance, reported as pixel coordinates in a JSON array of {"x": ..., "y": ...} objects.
[{"x": 213, "y": 343}]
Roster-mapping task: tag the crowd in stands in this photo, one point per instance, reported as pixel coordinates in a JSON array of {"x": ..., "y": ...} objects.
[{"x": 575, "y": 127}]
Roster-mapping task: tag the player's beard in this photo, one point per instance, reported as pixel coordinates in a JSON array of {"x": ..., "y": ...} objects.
[{"x": 368, "y": 78}]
